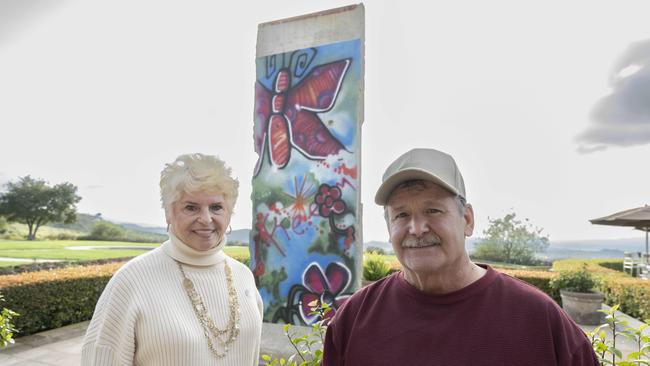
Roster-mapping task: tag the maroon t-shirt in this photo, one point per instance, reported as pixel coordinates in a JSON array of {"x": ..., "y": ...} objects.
[{"x": 497, "y": 320}]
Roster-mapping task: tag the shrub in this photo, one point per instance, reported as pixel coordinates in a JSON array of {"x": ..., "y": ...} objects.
[
  {"x": 375, "y": 250},
  {"x": 108, "y": 231},
  {"x": 104, "y": 230},
  {"x": 575, "y": 281},
  {"x": 375, "y": 267},
  {"x": 65, "y": 296},
  {"x": 62, "y": 236}
]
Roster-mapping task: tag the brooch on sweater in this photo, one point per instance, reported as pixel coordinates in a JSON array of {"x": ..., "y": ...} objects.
[{"x": 224, "y": 337}]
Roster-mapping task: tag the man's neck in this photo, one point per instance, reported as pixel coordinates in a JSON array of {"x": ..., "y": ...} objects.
[{"x": 446, "y": 280}]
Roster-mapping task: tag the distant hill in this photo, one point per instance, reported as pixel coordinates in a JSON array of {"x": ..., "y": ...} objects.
[
  {"x": 597, "y": 248},
  {"x": 144, "y": 228},
  {"x": 624, "y": 245},
  {"x": 133, "y": 232},
  {"x": 84, "y": 223},
  {"x": 240, "y": 236}
]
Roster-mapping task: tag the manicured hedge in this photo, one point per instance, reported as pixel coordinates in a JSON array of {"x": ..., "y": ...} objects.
[
  {"x": 49, "y": 305},
  {"x": 53, "y": 298},
  {"x": 539, "y": 279},
  {"x": 632, "y": 293}
]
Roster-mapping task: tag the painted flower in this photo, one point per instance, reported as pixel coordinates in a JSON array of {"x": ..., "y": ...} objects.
[
  {"x": 326, "y": 287},
  {"x": 329, "y": 200}
]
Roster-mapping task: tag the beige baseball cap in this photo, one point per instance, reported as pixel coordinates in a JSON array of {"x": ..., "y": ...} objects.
[{"x": 425, "y": 164}]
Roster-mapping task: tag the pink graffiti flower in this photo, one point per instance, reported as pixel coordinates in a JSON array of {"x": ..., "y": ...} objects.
[
  {"x": 329, "y": 200},
  {"x": 325, "y": 287}
]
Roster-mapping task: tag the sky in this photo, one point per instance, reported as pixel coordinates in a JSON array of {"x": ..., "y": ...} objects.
[{"x": 544, "y": 105}]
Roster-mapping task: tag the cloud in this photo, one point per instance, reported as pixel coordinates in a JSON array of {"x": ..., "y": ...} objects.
[
  {"x": 17, "y": 15},
  {"x": 622, "y": 118},
  {"x": 589, "y": 149}
]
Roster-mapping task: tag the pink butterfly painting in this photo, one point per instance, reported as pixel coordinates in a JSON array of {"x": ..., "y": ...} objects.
[{"x": 287, "y": 116}]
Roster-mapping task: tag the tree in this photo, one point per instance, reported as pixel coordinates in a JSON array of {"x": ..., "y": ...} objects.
[
  {"x": 33, "y": 202},
  {"x": 510, "y": 240}
]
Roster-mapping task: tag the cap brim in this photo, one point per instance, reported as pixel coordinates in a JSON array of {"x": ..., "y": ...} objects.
[{"x": 387, "y": 187}]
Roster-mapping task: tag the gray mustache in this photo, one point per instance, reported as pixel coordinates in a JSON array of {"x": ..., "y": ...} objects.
[{"x": 426, "y": 241}]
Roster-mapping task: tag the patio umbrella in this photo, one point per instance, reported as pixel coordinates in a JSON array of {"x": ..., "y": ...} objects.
[{"x": 639, "y": 218}]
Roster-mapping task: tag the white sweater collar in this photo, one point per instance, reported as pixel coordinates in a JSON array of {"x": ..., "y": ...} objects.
[{"x": 185, "y": 254}]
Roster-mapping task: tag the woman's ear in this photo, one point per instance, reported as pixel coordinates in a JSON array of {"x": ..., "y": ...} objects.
[{"x": 168, "y": 216}]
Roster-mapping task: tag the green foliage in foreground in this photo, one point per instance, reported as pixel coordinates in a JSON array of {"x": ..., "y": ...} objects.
[
  {"x": 7, "y": 328},
  {"x": 309, "y": 347},
  {"x": 605, "y": 347}
]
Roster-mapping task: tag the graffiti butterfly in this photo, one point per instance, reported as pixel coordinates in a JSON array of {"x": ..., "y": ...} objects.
[{"x": 288, "y": 116}]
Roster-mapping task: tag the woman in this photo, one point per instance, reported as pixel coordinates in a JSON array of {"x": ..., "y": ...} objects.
[{"x": 186, "y": 302}]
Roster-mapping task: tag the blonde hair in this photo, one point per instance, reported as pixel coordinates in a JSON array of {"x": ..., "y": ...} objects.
[{"x": 191, "y": 173}]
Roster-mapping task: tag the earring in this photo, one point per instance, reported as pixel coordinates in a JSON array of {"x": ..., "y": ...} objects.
[
  {"x": 229, "y": 230},
  {"x": 167, "y": 227}
]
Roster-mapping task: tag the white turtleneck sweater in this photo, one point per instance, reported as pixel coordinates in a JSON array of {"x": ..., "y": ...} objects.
[{"x": 144, "y": 316}]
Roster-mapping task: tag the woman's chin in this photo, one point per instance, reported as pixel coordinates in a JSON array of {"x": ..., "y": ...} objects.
[{"x": 203, "y": 244}]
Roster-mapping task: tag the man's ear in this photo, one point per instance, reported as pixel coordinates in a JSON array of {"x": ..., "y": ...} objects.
[{"x": 469, "y": 220}]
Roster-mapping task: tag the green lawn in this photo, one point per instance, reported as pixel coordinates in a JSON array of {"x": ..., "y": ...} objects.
[
  {"x": 56, "y": 249},
  {"x": 236, "y": 250}
]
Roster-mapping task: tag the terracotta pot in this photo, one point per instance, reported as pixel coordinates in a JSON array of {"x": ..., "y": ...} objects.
[{"x": 583, "y": 307}]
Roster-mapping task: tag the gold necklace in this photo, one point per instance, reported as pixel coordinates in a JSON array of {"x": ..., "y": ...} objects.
[{"x": 226, "y": 336}]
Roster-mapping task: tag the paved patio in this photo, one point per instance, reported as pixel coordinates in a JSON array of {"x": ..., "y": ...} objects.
[{"x": 62, "y": 346}]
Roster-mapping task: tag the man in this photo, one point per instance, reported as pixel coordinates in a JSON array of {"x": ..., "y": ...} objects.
[{"x": 442, "y": 309}]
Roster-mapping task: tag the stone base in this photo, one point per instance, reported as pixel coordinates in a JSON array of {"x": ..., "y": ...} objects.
[{"x": 583, "y": 307}]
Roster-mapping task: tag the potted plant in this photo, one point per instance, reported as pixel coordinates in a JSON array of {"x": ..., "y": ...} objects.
[{"x": 579, "y": 297}]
